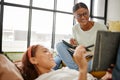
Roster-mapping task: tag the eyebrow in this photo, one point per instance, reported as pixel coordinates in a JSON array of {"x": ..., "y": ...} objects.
[
  {"x": 83, "y": 12},
  {"x": 43, "y": 48}
]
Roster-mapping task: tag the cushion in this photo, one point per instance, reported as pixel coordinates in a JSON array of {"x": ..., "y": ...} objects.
[
  {"x": 8, "y": 71},
  {"x": 98, "y": 74},
  {"x": 114, "y": 26}
]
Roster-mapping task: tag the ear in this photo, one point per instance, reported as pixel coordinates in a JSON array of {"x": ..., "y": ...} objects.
[{"x": 33, "y": 60}]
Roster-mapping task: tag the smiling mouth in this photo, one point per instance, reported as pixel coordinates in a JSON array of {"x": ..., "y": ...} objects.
[
  {"x": 83, "y": 20},
  {"x": 51, "y": 59}
]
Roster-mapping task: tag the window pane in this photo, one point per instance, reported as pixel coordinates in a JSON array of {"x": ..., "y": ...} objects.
[
  {"x": 15, "y": 25},
  {"x": 98, "y": 10},
  {"x": 49, "y": 4},
  {"x": 98, "y": 20},
  {"x": 42, "y": 28},
  {"x": 65, "y": 5},
  {"x": 87, "y": 2},
  {"x": 64, "y": 24},
  {"x": 23, "y": 2}
]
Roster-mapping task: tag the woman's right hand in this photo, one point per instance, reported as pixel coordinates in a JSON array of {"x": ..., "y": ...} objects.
[
  {"x": 79, "y": 57},
  {"x": 73, "y": 42}
]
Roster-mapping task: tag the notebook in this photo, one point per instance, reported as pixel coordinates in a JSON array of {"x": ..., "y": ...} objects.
[{"x": 106, "y": 48}]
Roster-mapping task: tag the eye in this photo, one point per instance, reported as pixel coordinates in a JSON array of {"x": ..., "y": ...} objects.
[{"x": 46, "y": 50}]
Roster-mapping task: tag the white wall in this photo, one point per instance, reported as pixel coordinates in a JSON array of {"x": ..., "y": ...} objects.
[{"x": 113, "y": 10}]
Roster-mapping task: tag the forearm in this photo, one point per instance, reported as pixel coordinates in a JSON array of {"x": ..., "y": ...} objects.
[
  {"x": 82, "y": 75},
  {"x": 81, "y": 61}
]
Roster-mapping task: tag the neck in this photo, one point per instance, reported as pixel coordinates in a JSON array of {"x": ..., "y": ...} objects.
[
  {"x": 42, "y": 70},
  {"x": 88, "y": 26}
]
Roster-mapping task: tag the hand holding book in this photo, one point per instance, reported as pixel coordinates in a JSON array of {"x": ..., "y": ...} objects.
[
  {"x": 71, "y": 49},
  {"x": 73, "y": 46},
  {"x": 88, "y": 55}
]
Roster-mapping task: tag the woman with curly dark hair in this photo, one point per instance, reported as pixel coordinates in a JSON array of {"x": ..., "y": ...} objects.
[{"x": 38, "y": 63}]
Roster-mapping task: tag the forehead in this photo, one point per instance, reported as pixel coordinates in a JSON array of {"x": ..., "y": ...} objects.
[
  {"x": 40, "y": 48},
  {"x": 81, "y": 10}
]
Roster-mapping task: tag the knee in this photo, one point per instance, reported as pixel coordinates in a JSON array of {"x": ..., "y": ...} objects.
[{"x": 58, "y": 45}]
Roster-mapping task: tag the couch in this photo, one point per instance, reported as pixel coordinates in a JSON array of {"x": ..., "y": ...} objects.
[{"x": 8, "y": 70}]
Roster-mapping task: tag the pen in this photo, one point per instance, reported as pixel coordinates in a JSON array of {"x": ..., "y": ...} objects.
[{"x": 89, "y": 47}]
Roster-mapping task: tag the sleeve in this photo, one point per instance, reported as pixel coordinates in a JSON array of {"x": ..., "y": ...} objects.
[
  {"x": 102, "y": 27},
  {"x": 74, "y": 32}
]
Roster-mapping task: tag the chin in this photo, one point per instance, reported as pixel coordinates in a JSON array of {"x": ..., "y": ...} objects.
[
  {"x": 53, "y": 65},
  {"x": 83, "y": 24}
]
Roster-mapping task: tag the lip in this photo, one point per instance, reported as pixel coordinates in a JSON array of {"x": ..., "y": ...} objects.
[
  {"x": 83, "y": 20},
  {"x": 51, "y": 59}
]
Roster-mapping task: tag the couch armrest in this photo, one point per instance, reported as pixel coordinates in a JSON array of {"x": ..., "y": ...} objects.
[{"x": 8, "y": 71}]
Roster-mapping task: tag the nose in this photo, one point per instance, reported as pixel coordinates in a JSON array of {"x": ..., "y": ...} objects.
[
  {"x": 82, "y": 16},
  {"x": 50, "y": 54}
]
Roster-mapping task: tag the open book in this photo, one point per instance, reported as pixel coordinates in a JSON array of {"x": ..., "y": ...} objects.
[
  {"x": 71, "y": 49},
  {"x": 106, "y": 48},
  {"x": 68, "y": 44}
]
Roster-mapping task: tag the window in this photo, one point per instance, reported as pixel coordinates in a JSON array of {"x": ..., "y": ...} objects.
[
  {"x": 65, "y": 5},
  {"x": 64, "y": 24},
  {"x": 98, "y": 10},
  {"x": 41, "y": 29},
  {"x": 48, "y": 4},
  {"x": 15, "y": 27},
  {"x": 23, "y": 2},
  {"x": 47, "y": 21}
]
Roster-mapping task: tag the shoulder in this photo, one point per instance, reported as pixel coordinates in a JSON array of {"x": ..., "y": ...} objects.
[
  {"x": 60, "y": 74},
  {"x": 100, "y": 26},
  {"x": 76, "y": 26}
]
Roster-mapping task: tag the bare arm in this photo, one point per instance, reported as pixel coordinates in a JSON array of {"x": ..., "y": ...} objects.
[{"x": 81, "y": 62}]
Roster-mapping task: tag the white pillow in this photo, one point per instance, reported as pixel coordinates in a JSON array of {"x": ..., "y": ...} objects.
[{"x": 114, "y": 26}]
